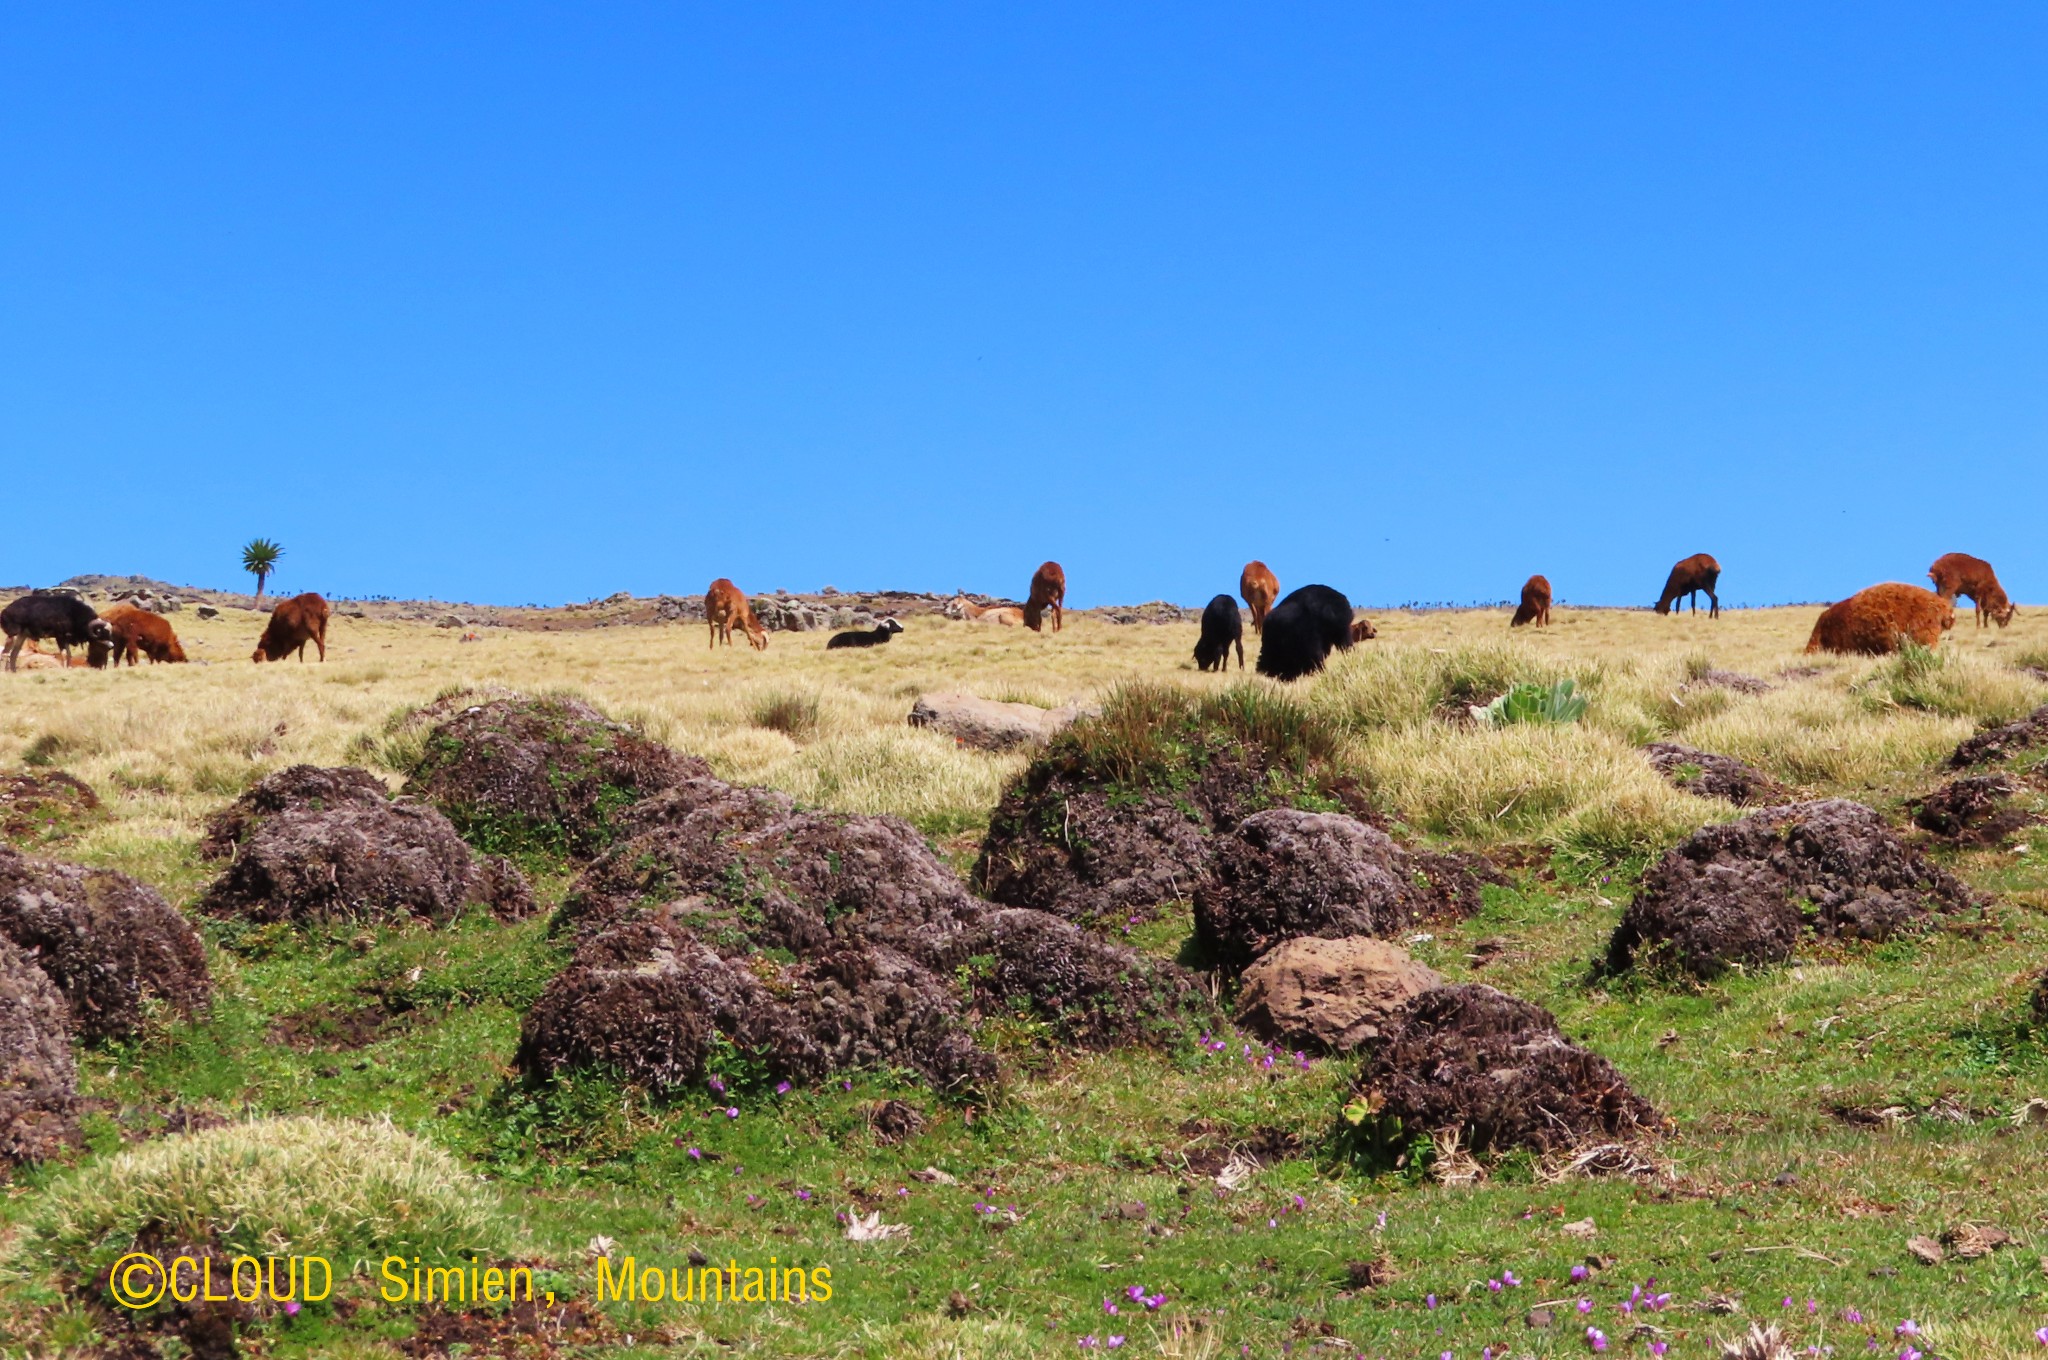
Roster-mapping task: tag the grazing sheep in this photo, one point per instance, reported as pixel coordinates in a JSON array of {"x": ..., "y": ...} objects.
[
  {"x": 62, "y": 617},
  {"x": 293, "y": 624},
  {"x": 1872, "y": 621},
  {"x": 1048, "y": 590},
  {"x": 1535, "y": 607},
  {"x": 865, "y": 637},
  {"x": 139, "y": 632},
  {"x": 724, "y": 606},
  {"x": 1302, "y": 629},
  {"x": 1260, "y": 587},
  {"x": 1688, "y": 578},
  {"x": 1222, "y": 628},
  {"x": 1956, "y": 574}
]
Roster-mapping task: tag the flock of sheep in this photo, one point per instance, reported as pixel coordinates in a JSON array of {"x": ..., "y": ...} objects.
[{"x": 1297, "y": 634}]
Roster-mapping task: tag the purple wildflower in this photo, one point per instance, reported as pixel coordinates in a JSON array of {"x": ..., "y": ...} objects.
[
  {"x": 1152, "y": 1301},
  {"x": 1109, "y": 1306},
  {"x": 782, "y": 1088},
  {"x": 1578, "y": 1273},
  {"x": 1135, "y": 1292},
  {"x": 1851, "y": 1315},
  {"x": 1113, "y": 1343},
  {"x": 2042, "y": 1336},
  {"x": 1907, "y": 1328},
  {"x": 1658, "y": 1347},
  {"x": 292, "y": 1309},
  {"x": 1585, "y": 1305},
  {"x": 1507, "y": 1277},
  {"x": 804, "y": 1195},
  {"x": 1493, "y": 1285},
  {"x": 1429, "y": 1302},
  {"x": 697, "y": 1154},
  {"x": 732, "y": 1112},
  {"x": 1596, "y": 1338}
]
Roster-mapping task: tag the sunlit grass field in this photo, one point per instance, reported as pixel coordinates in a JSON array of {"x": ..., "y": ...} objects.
[{"x": 1766, "y": 1194}]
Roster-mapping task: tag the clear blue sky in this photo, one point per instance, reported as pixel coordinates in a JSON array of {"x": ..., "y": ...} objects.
[{"x": 518, "y": 303}]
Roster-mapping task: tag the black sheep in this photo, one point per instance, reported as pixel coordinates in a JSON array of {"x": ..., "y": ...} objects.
[
  {"x": 1301, "y": 630},
  {"x": 1222, "y": 626},
  {"x": 63, "y": 618},
  {"x": 866, "y": 637}
]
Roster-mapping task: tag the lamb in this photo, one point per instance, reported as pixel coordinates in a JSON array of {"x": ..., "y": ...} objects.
[
  {"x": 62, "y": 617},
  {"x": 1871, "y": 622},
  {"x": 1535, "y": 607},
  {"x": 1260, "y": 587},
  {"x": 1956, "y": 574},
  {"x": 1688, "y": 578},
  {"x": 1002, "y": 615},
  {"x": 1302, "y": 629},
  {"x": 865, "y": 637},
  {"x": 1222, "y": 628}
]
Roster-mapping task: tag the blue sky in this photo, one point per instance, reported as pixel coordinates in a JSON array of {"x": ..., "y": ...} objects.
[{"x": 519, "y": 303}]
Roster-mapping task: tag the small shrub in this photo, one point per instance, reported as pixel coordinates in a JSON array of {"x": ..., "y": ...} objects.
[
  {"x": 1556, "y": 703},
  {"x": 342, "y": 1189}
]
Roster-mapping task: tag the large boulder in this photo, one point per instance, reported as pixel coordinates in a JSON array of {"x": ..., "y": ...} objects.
[
  {"x": 106, "y": 941},
  {"x": 550, "y": 774},
  {"x": 1706, "y": 775},
  {"x": 1743, "y": 894},
  {"x": 1498, "y": 1071},
  {"x": 811, "y": 942},
  {"x": 988, "y": 724},
  {"x": 1331, "y": 996},
  {"x": 1285, "y": 873},
  {"x": 315, "y": 845},
  {"x": 2003, "y": 742},
  {"x": 38, "y": 1078}
]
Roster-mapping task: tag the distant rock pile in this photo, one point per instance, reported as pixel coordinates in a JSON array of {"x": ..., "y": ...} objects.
[{"x": 1744, "y": 894}]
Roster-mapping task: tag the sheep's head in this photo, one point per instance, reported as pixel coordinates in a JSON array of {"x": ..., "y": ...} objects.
[
  {"x": 891, "y": 626},
  {"x": 757, "y": 636},
  {"x": 99, "y": 630},
  {"x": 1362, "y": 629},
  {"x": 2003, "y": 613}
]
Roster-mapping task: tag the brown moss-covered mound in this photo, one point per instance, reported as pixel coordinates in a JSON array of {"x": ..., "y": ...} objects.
[
  {"x": 812, "y": 942},
  {"x": 1706, "y": 775},
  {"x": 39, "y": 807},
  {"x": 105, "y": 940},
  {"x": 1496, "y": 1069},
  {"x": 38, "y": 1079},
  {"x": 1284, "y": 873},
  {"x": 549, "y": 775},
  {"x": 1743, "y": 895},
  {"x": 2003, "y": 743},
  {"x": 1115, "y": 816},
  {"x": 1975, "y": 809},
  {"x": 310, "y": 845}
]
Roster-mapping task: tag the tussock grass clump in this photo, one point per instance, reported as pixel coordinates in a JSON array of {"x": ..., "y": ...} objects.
[
  {"x": 794, "y": 713},
  {"x": 1952, "y": 684},
  {"x": 1156, "y": 736},
  {"x": 345, "y": 1190},
  {"x": 1379, "y": 686}
]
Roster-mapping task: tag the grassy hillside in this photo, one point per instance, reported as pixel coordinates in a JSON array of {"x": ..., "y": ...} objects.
[{"x": 1097, "y": 1173}]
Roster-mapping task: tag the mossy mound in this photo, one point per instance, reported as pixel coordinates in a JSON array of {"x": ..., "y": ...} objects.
[{"x": 548, "y": 775}]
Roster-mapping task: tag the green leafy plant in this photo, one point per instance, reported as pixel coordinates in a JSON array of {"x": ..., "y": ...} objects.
[
  {"x": 1558, "y": 703},
  {"x": 259, "y": 559}
]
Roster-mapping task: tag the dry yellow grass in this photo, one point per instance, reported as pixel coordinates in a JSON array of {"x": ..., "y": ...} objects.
[{"x": 167, "y": 744}]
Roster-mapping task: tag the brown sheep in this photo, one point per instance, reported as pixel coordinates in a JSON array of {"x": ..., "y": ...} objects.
[
  {"x": 1362, "y": 630},
  {"x": 1002, "y": 615},
  {"x": 1260, "y": 587},
  {"x": 293, "y": 624},
  {"x": 1872, "y": 621},
  {"x": 1696, "y": 573},
  {"x": 1535, "y": 603},
  {"x": 724, "y": 606},
  {"x": 139, "y": 632},
  {"x": 1956, "y": 574},
  {"x": 1048, "y": 590}
]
